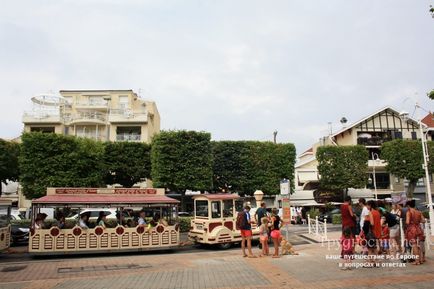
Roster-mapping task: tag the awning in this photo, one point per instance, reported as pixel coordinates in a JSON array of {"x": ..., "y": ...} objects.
[
  {"x": 304, "y": 177},
  {"x": 305, "y": 203},
  {"x": 218, "y": 196},
  {"x": 104, "y": 199}
]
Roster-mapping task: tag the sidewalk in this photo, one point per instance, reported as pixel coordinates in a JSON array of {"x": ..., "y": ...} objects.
[{"x": 213, "y": 269}]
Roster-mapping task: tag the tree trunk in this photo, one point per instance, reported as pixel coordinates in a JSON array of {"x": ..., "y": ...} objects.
[
  {"x": 1, "y": 188},
  {"x": 344, "y": 194},
  {"x": 411, "y": 188}
]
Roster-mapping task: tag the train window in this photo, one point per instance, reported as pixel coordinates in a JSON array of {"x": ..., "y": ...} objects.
[
  {"x": 216, "y": 210},
  {"x": 228, "y": 208},
  {"x": 239, "y": 205},
  {"x": 202, "y": 209}
]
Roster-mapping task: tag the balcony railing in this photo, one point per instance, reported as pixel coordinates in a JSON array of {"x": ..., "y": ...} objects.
[
  {"x": 128, "y": 137},
  {"x": 41, "y": 116},
  {"x": 87, "y": 117},
  {"x": 91, "y": 135},
  {"x": 127, "y": 115},
  {"x": 92, "y": 103}
]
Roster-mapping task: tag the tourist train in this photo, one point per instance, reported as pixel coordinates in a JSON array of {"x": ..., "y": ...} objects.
[
  {"x": 5, "y": 226},
  {"x": 74, "y": 230}
]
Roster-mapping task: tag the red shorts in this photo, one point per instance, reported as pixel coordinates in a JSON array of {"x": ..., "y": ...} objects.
[
  {"x": 246, "y": 233},
  {"x": 275, "y": 234}
]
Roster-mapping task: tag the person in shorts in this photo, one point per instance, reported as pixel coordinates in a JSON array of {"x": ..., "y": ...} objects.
[
  {"x": 246, "y": 233},
  {"x": 276, "y": 224},
  {"x": 263, "y": 236}
]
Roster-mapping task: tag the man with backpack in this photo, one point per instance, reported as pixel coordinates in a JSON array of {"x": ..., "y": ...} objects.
[{"x": 244, "y": 225}]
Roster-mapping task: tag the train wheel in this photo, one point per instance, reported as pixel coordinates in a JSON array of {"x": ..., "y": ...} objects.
[{"x": 225, "y": 246}]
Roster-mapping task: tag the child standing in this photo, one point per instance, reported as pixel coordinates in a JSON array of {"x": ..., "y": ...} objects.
[
  {"x": 347, "y": 251},
  {"x": 263, "y": 236}
]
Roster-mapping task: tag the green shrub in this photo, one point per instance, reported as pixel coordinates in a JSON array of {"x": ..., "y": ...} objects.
[
  {"x": 337, "y": 219},
  {"x": 23, "y": 223},
  {"x": 313, "y": 212},
  {"x": 184, "y": 223}
]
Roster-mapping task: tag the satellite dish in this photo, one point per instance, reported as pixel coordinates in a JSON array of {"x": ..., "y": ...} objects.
[{"x": 344, "y": 120}]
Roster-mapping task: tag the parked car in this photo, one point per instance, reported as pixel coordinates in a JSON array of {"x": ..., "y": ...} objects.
[
  {"x": 94, "y": 213},
  {"x": 184, "y": 214},
  {"x": 329, "y": 215},
  {"x": 19, "y": 231}
]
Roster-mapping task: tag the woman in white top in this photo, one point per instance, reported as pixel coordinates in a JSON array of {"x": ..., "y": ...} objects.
[
  {"x": 364, "y": 213},
  {"x": 83, "y": 221},
  {"x": 396, "y": 210}
]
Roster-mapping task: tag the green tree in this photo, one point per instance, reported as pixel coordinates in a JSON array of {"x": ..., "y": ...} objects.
[
  {"x": 431, "y": 94},
  {"x": 230, "y": 166},
  {"x": 404, "y": 159},
  {"x": 9, "y": 152},
  {"x": 126, "y": 163},
  {"x": 342, "y": 167},
  {"x": 246, "y": 166},
  {"x": 52, "y": 160},
  {"x": 182, "y": 160}
]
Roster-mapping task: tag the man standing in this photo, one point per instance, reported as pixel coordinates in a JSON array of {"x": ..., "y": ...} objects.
[
  {"x": 260, "y": 213},
  {"x": 246, "y": 232},
  {"x": 364, "y": 214}
]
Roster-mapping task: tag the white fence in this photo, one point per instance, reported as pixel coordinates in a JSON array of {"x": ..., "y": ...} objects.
[{"x": 317, "y": 227}]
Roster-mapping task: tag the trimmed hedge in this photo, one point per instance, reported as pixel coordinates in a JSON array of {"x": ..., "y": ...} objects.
[{"x": 184, "y": 223}]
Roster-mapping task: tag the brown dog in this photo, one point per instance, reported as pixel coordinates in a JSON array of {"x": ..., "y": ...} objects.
[{"x": 287, "y": 248}]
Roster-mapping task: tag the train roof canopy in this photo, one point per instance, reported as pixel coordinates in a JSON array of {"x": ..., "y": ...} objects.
[{"x": 111, "y": 200}]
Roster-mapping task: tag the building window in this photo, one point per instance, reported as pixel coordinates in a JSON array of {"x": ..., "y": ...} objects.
[
  {"x": 68, "y": 99},
  {"x": 128, "y": 133},
  {"x": 382, "y": 181},
  {"x": 397, "y": 135},
  {"x": 42, "y": 129},
  {"x": 123, "y": 101},
  {"x": 413, "y": 135}
]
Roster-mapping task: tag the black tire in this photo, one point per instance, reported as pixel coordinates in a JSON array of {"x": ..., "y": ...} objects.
[{"x": 224, "y": 246}]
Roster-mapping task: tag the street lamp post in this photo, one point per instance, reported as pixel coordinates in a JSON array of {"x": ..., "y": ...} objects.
[
  {"x": 425, "y": 167},
  {"x": 375, "y": 157}
]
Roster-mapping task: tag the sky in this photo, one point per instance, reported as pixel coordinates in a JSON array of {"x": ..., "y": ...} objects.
[{"x": 237, "y": 69}]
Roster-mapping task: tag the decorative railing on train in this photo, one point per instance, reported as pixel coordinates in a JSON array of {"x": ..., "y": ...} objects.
[{"x": 119, "y": 238}]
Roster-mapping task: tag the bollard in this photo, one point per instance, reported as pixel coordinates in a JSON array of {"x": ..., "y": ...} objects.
[
  {"x": 308, "y": 224},
  {"x": 401, "y": 232},
  {"x": 317, "y": 226},
  {"x": 325, "y": 228}
]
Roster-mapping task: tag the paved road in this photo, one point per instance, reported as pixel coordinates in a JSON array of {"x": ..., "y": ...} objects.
[{"x": 211, "y": 269}]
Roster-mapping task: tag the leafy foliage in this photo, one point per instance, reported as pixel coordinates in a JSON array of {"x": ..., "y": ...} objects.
[
  {"x": 404, "y": 159},
  {"x": 247, "y": 166},
  {"x": 337, "y": 219},
  {"x": 342, "y": 167},
  {"x": 126, "y": 163},
  {"x": 313, "y": 213},
  {"x": 52, "y": 160},
  {"x": 431, "y": 93},
  {"x": 182, "y": 160},
  {"x": 9, "y": 152}
]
